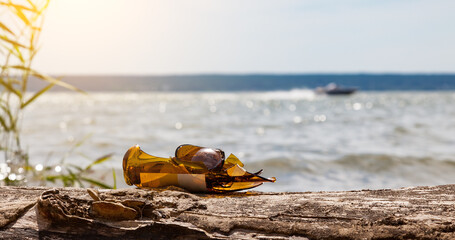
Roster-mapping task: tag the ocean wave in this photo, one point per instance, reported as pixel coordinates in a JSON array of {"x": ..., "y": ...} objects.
[
  {"x": 293, "y": 94},
  {"x": 401, "y": 139},
  {"x": 362, "y": 171},
  {"x": 371, "y": 163},
  {"x": 383, "y": 162}
]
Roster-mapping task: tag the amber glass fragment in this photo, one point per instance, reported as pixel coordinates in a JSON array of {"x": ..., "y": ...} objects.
[{"x": 197, "y": 169}]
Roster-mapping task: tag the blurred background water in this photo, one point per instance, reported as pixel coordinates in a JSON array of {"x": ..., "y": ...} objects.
[{"x": 310, "y": 142}]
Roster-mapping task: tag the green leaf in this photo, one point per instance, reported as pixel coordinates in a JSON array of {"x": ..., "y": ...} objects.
[
  {"x": 96, "y": 183},
  {"x": 99, "y": 160},
  {"x": 36, "y": 95}
]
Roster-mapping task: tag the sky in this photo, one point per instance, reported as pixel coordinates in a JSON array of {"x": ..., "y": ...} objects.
[{"x": 150, "y": 37}]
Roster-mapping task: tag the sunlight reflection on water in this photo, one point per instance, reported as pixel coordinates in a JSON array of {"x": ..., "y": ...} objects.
[{"x": 308, "y": 141}]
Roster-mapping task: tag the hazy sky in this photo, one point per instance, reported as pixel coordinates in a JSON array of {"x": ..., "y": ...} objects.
[{"x": 247, "y": 36}]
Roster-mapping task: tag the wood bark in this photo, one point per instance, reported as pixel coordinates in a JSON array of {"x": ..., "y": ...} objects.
[{"x": 408, "y": 213}]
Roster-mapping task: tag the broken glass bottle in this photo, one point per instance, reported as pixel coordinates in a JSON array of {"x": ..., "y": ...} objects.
[{"x": 197, "y": 169}]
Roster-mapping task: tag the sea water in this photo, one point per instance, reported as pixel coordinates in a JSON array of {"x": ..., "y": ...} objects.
[{"x": 309, "y": 142}]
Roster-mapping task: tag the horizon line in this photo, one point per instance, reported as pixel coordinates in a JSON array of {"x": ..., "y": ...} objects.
[{"x": 250, "y": 74}]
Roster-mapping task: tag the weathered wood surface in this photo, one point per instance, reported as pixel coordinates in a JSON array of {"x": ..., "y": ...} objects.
[{"x": 409, "y": 213}]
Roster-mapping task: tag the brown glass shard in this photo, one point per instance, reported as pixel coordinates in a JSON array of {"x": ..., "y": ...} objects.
[{"x": 197, "y": 169}]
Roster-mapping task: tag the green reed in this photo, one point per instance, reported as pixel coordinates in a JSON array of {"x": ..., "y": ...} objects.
[
  {"x": 21, "y": 23},
  {"x": 72, "y": 175}
]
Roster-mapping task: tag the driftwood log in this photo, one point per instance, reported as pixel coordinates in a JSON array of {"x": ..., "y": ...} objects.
[{"x": 69, "y": 213}]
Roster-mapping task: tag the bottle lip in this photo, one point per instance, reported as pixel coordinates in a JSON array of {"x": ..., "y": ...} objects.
[{"x": 126, "y": 157}]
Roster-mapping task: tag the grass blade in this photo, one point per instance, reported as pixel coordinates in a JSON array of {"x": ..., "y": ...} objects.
[
  {"x": 2, "y": 26},
  {"x": 11, "y": 88},
  {"x": 114, "y": 176},
  {"x": 36, "y": 95},
  {"x": 48, "y": 78},
  {"x": 44, "y": 7},
  {"x": 99, "y": 160},
  {"x": 22, "y": 16},
  {"x": 19, "y": 54},
  {"x": 3, "y": 123},
  {"x": 35, "y": 9},
  {"x": 14, "y": 81},
  {"x": 17, "y": 6},
  {"x": 82, "y": 141},
  {"x": 75, "y": 178},
  {"x": 57, "y": 82},
  {"x": 52, "y": 178},
  {"x": 6, "y": 39},
  {"x": 12, "y": 121},
  {"x": 96, "y": 183}
]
